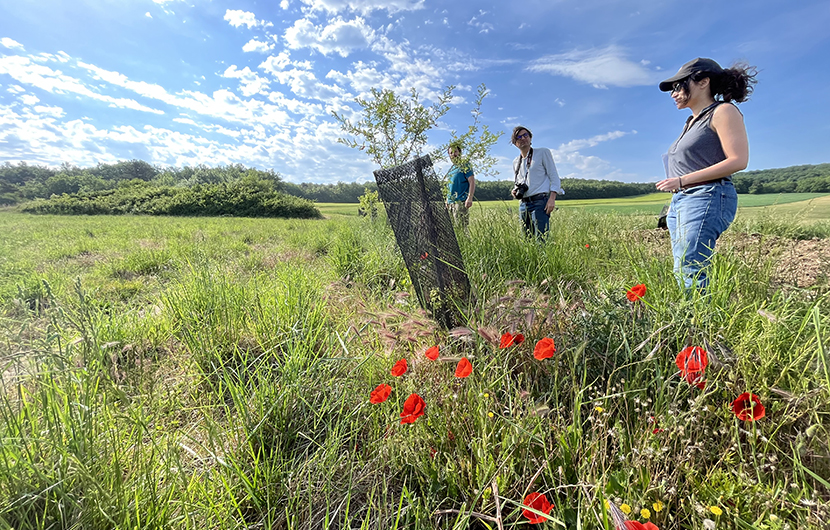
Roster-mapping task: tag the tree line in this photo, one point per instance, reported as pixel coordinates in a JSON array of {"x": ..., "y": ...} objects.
[{"x": 22, "y": 182}]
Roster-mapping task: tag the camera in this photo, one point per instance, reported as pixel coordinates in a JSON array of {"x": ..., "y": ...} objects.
[{"x": 519, "y": 190}]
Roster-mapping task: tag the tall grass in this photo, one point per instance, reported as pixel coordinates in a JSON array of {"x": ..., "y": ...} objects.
[{"x": 216, "y": 374}]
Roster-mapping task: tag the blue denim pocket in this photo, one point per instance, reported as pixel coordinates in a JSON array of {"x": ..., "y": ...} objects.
[{"x": 700, "y": 190}]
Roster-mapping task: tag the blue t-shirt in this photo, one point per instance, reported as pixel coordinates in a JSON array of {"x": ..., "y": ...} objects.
[{"x": 459, "y": 185}]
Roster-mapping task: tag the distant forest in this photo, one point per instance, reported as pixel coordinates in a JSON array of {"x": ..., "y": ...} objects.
[{"x": 23, "y": 182}]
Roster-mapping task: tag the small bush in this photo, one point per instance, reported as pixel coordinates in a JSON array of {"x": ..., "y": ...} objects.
[{"x": 246, "y": 198}]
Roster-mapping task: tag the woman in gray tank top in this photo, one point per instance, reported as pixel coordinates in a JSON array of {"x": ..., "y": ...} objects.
[{"x": 700, "y": 163}]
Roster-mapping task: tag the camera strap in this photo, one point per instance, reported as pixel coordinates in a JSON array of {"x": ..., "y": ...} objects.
[{"x": 518, "y": 166}]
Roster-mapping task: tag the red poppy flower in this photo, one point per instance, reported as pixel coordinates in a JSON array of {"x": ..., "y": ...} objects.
[
  {"x": 695, "y": 379},
  {"x": 380, "y": 394},
  {"x": 464, "y": 368},
  {"x": 432, "y": 353},
  {"x": 636, "y": 292},
  {"x": 538, "y": 502},
  {"x": 508, "y": 340},
  {"x": 636, "y": 525},
  {"x": 425, "y": 255},
  {"x": 748, "y": 407},
  {"x": 432, "y": 452},
  {"x": 413, "y": 408},
  {"x": 544, "y": 349},
  {"x": 587, "y": 245},
  {"x": 400, "y": 368}
]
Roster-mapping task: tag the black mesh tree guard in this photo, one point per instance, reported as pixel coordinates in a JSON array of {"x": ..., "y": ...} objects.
[{"x": 415, "y": 205}]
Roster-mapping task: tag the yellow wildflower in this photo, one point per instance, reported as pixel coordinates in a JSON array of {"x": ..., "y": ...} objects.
[
  {"x": 626, "y": 509},
  {"x": 490, "y": 414},
  {"x": 599, "y": 409},
  {"x": 645, "y": 514},
  {"x": 486, "y": 395},
  {"x": 658, "y": 507},
  {"x": 715, "y": 510}
]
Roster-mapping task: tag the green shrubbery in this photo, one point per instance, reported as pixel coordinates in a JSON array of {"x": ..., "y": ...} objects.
[{"x": 244, "y": 198}]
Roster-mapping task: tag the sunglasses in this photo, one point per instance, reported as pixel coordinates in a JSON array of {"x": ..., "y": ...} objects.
[
  {"x": 680, "y": 85},
  {"x": 522, "y": 136}
]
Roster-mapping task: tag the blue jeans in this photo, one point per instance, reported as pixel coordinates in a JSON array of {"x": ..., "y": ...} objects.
[
  {"x": 697, "y": 217},
  {"x": 533, "y": 216}
]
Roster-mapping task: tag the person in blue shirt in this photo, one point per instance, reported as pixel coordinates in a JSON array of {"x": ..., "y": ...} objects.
[{"x": 461, "y": 186}]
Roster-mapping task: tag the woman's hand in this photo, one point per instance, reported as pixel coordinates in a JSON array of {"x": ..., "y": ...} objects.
[{"x": 669, "y": 184}]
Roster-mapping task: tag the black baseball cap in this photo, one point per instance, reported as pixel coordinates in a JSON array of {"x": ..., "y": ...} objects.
[{"x": 700, "y": 64}]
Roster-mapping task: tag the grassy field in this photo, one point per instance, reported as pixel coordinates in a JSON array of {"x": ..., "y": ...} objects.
[
  {"x": 807, "y": 206},
  {"x": 216, "y": 373}
]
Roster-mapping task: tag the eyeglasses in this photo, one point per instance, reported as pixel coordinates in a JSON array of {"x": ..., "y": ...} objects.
[
  {"x": 677, "y": 87},
  {"x": 522, "y": 136}
]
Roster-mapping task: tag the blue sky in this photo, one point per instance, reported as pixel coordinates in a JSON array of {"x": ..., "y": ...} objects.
[{"x": 216, "y": 82}]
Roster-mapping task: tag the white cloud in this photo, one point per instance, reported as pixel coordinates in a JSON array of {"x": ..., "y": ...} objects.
[
  {"x": 276, "y": 63},
  {"x": 598, "y": 67},
  {"x": 305, "y": 84},
  {"x": 10, "y": 43},
  {"x": 575, "y": 145},
  {"x": 238, "y": 18},
  {"x": 339, "y": 36},
  {"x": 483, "y": 27},
  {"x": 588, "y": 166},
  {"x": 29, "y": 99},
  {"x": 26, "y": 72},
  {"x": 255, "y": 45},
  {"x": 284, "y": 4},
  {"x": 364, "y": 6},
  {"x": 49, "y": 110},
  {"x": 148, "y": 15},
  {"x": 250, "y": 83}
]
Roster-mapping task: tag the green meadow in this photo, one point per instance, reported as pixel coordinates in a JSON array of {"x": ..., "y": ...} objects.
[{"x": 215, "y": 373}]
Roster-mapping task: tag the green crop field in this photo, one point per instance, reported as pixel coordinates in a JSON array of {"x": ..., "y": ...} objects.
[
  {"x": 225, "y": 373},
  {"x": 802, "y": 206}
]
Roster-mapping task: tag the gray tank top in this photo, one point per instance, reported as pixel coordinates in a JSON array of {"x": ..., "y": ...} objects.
[{"x": 698, "y": 146}]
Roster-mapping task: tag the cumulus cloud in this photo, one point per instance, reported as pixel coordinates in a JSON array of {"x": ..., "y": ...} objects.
[
  {"x": 364, "y": 6},
  {"x": 598, "y": 67},
  {"x": 237, "y": 17},
  {"x": 249, "y": 82},
  {"x": 255, "y": 45},
  {"x": 338, "y": 36},
  {"x": 10, "y": 43}
]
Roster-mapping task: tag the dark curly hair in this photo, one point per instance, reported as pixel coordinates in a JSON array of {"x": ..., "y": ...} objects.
[{"x": 733, "y": 84}]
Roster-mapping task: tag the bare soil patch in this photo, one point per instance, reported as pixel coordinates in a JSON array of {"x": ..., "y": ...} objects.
[{"x": 800, "y": 263}]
